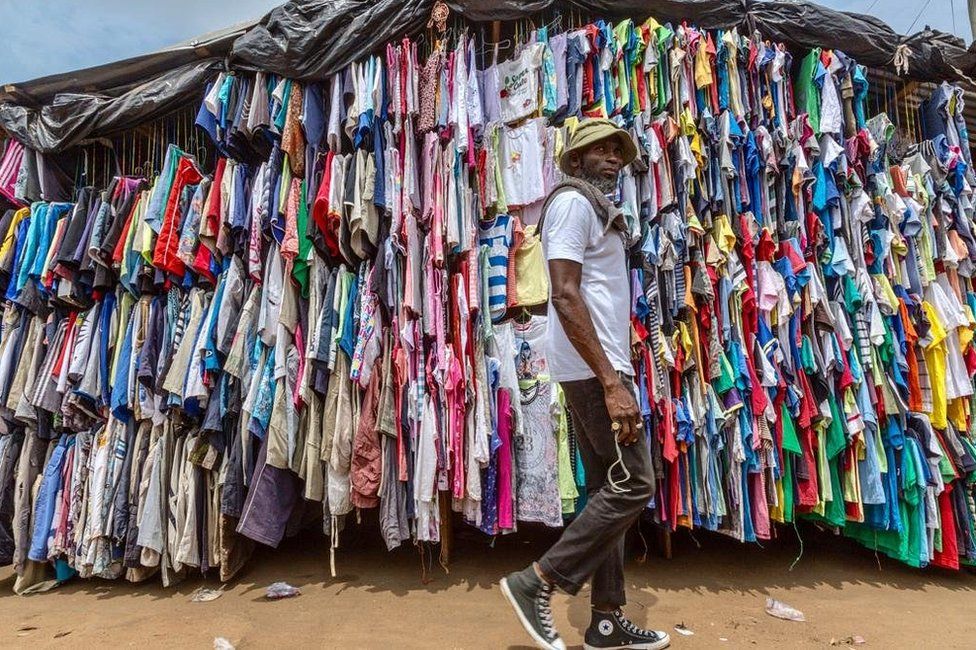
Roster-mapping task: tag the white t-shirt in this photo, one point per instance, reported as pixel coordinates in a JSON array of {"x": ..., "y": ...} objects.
[
  {"x": 518, "y": 83},
  {"x": 831, "y": 113},
  {"x": 520, "y": 158},
  {"x": 572, "y": 231}
]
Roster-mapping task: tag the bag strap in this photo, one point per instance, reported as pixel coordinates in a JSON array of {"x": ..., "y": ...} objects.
[{"x": 545, "y": 207}]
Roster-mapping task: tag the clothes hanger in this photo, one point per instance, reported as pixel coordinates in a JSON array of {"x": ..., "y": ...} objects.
[
  {"x": 887, "y": 109},
  {"x": 201, "y": 155},
  {"x": 121, "y": 143},
  {"x": 178, "y": 131},
  {"x": 131, "y": 157},
  {"x": 555, "y": 25},
  {"x": 481, "y": 51},
  {"x": 488, "y": 46},
  {"x": 116, "y": 160},
  {"x": 445, "y": 38},
  {"x": 156, "y": 162},
  {"x": 917, "y": 119},
  {"x": 81, "y": 172},
  {"x": 105, "y": 166}
]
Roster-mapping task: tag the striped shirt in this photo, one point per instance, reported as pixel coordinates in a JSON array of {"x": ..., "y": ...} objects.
[
  {"x": 10, "y": 168},
  {"x": 496, "y": 237}
]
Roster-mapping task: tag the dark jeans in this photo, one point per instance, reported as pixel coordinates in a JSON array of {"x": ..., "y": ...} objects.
[{"x": 592, "y": 546}]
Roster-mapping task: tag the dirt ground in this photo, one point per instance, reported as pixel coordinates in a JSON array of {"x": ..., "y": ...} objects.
[{"x": 716, "y": 587}]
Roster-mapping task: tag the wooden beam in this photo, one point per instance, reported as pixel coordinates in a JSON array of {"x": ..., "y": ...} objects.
[
  {"x": 664, "y": 541},
  {"x": 447, "y": 529}
]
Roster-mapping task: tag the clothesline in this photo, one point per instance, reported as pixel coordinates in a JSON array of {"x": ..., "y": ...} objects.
[{"x": 203, "y": 359}]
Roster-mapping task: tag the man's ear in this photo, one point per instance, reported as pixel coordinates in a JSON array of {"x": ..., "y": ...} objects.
[{"x": 575, "y": 161}]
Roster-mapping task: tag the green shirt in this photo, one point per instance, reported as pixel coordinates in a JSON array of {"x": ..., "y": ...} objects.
[{"x": 807, "y": 93}]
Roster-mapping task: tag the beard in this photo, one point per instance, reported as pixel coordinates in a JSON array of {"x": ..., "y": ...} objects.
[{"x": 607, "y": 186}]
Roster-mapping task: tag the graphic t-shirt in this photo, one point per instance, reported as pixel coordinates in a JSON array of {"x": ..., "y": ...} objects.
[
  {"x": 518, "y": 83},
  {"x": 520, "y": 159}
]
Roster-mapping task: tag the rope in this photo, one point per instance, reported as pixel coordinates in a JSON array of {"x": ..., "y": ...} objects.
[
  {"x": 799, "y": 537},
  {"x": 643, "y": 558},
  {"x": 438, "y": 17},
  {"x": 900, "y": 59}
]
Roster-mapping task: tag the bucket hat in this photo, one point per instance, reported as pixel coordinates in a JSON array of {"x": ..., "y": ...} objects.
[{"x": 593, "y": 130}]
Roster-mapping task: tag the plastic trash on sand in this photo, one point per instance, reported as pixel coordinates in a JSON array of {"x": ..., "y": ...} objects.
[
  {"x": 281, "y": 590},
  {"x": 681, "y": 629},
  {"x": 205, "y": 595},
  {"x": 781, "y": 610},
  {"x": 220, "y": 643},
  {"x": 849, "y": 641}
]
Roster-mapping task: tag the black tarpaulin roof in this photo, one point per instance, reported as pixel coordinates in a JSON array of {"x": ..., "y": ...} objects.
[{"x": 312, "y": 39}]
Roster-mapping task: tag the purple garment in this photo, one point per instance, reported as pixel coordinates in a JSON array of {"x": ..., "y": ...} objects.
[
  {"x": 558, "y": 46},
  {"x": 489, "y": 93},
  {"x": 506, "y": 510},
  {"x": 576, "y": 46},
  {"x": 269, "y": 503}
]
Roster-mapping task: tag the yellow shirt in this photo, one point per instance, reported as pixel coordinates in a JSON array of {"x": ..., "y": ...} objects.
[
  {"x": 703, "y": 67},
  {"x": 7, "y": 246},
  {"x": 935, "y": 363},
  {"x": 531, "y": 281},
  {"x": 722, "y": 232}
]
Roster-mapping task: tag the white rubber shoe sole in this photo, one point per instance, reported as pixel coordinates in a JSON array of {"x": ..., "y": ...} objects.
[
  {"x": 536, "y": 637},
  {"x": 657, "y": 645}
]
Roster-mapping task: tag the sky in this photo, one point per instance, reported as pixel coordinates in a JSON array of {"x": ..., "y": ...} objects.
[{"x": 43, "y": 37}]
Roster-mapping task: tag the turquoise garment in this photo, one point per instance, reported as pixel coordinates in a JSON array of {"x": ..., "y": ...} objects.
[
  {"x": 860, "y": 81},
  {"x": 549, "y": 101},
  {"x": 160, "y": 193},
  {"x": 279, "y": 118},
  {"x": 263, "y": 403},
  {"x": 224, "y": 95},
  {"x": 211, "y": 363},
  {"x": 32, "y": 246}
]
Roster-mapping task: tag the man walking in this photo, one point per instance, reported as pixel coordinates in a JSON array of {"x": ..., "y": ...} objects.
[{"x": 588, "y": 352}]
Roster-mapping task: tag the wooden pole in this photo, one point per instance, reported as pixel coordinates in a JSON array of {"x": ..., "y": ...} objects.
[
  {"x": 664, "y": 541},
  {"x": 447, "y": 528}
]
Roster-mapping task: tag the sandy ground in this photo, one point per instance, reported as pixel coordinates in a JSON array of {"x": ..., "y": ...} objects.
[{"x": 715, "y": 586}]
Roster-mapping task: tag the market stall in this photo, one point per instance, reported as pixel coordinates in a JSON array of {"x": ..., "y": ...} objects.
[{"x": 249, "y": 285}]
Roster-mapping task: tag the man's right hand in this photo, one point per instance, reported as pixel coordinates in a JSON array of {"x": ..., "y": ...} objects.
[{"x": 623, "y": 409}]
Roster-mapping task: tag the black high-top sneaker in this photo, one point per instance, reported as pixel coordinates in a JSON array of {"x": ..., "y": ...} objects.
[
  {"x": 614, "y": 632},
  {"x": 530, "y": 596}
]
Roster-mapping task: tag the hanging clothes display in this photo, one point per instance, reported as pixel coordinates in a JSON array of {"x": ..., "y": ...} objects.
[{"x": 332, "y": 317}]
